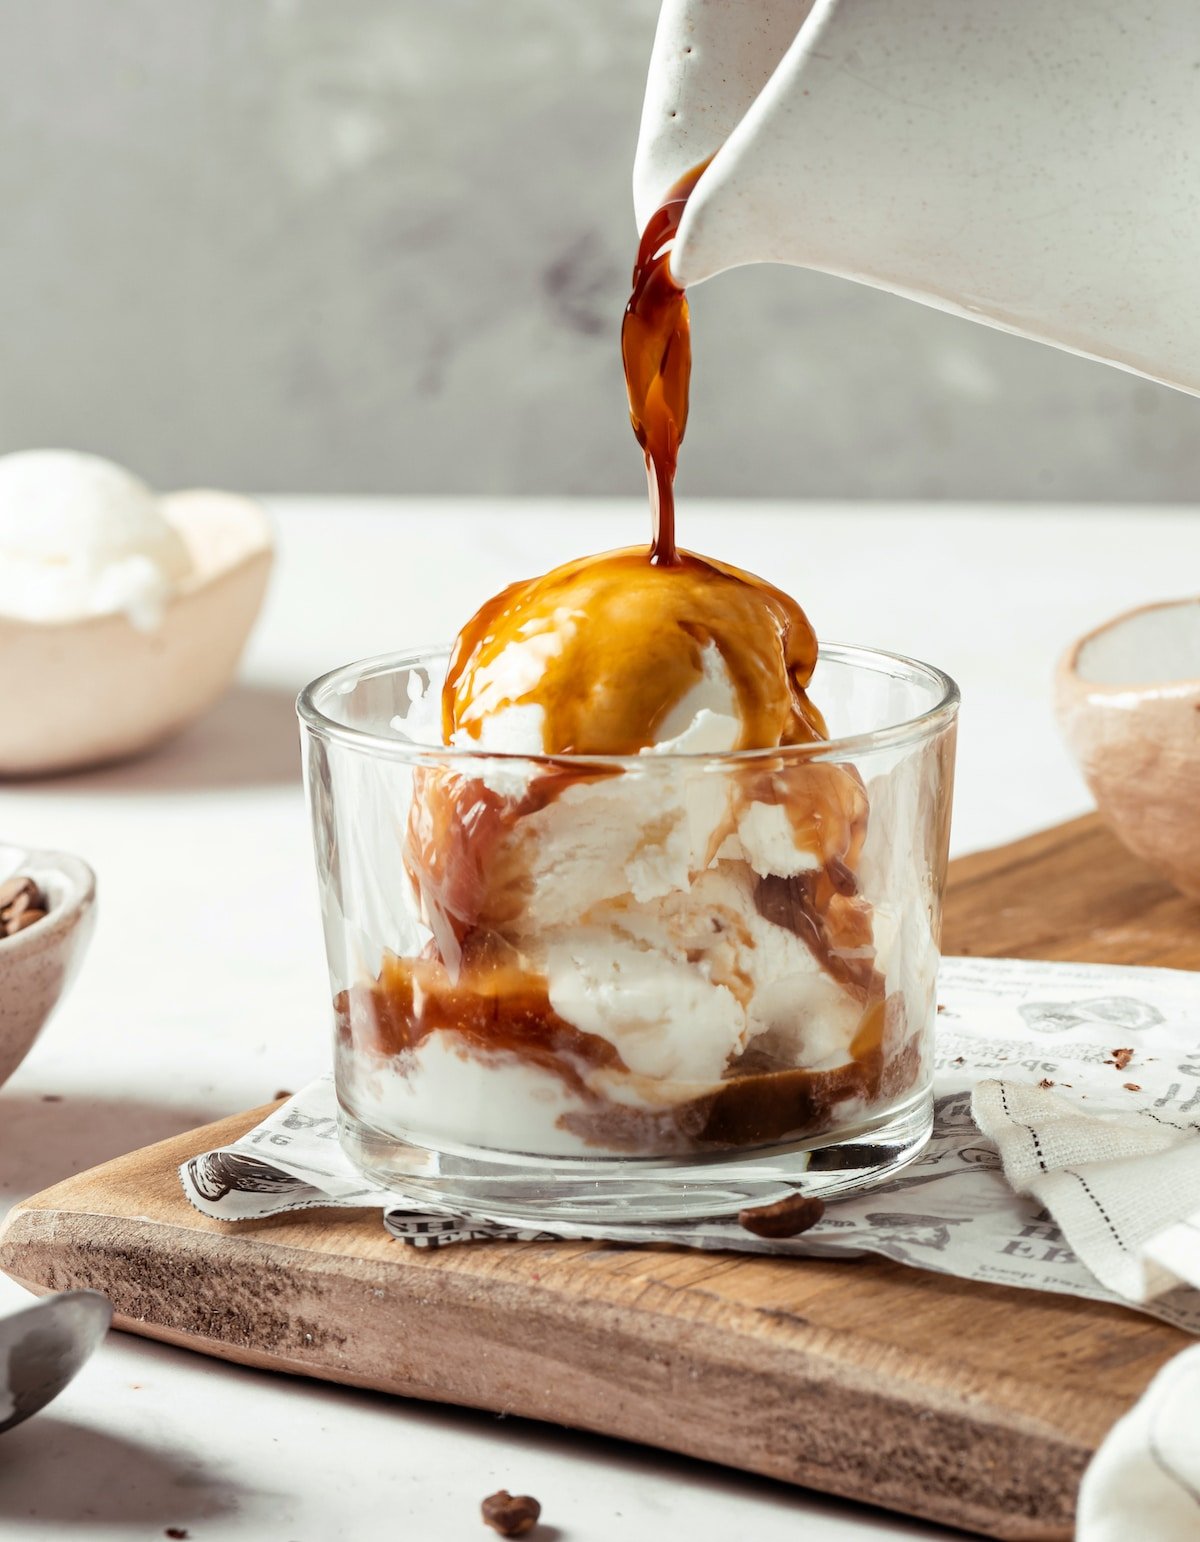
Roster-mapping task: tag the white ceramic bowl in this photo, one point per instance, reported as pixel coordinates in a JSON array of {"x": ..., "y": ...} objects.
[
  {"x": 37, "y": 964},
  {"x": 1128, "y": 698},
  {"x": 78, "y": 693}
]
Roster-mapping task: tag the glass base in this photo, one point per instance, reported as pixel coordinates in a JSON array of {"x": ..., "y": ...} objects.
[{"x": 624, "y": 1191}]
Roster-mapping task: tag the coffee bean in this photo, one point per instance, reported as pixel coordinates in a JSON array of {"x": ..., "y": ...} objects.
[
  {"x": 785, "y": 1218},
  {"x": 13, "y": 888},
  {"x": 26, "y": 918},
  {"x": 512, "y": 1515},
  {"x": 21, "y": 904}
]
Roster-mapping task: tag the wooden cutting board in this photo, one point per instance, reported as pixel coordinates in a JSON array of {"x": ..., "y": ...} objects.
[{"x": 973, "y": 1405}]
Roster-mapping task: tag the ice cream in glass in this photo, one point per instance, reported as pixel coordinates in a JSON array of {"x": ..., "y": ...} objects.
[{"x": 648, "y": 919}]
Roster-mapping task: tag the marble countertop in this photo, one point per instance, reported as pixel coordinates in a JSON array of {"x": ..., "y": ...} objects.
[{"x": 205, "y": 992}]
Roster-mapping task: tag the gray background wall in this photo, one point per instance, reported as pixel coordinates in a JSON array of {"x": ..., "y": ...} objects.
[{"x": 383, "y": 246}]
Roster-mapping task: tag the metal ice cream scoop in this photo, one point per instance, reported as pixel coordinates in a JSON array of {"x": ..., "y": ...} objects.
[{"x": 42, "y": 1347}]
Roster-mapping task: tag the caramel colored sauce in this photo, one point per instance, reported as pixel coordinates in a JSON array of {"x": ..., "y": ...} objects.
[
  {"x": 457, "y": 825},
  {"x": 828, "y": 811},
  {"x": 495, "y": 1005},
  {"x": 505, "y": 1009},
  {"x": 606, "y": 646},
  {"x": 656, "y": 346}
]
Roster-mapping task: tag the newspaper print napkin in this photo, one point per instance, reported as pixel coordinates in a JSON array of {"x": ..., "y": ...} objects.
[
  {"x": 1112, "y": 1151},
  {"x": 1032, "y": 1027}
]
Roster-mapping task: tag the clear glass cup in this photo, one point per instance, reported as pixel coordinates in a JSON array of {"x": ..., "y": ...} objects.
[{"x": 631, "y": 988}]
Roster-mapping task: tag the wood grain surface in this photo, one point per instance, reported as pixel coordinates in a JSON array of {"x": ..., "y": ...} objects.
[{"x": 973, "y": 1405}]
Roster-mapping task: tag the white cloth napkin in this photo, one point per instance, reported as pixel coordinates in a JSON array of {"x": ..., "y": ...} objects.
[
  {"x": 1123, "y": 1187},
  {"x": 1144, "y": 1482}
]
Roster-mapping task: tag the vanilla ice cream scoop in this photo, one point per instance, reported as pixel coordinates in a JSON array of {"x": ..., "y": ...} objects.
[
  {"x": 80, "y": 536},
  {"x": 615, "y": 654}
]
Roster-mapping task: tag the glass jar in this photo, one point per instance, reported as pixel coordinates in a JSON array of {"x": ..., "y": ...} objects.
[{"x": 640, "y": 987}]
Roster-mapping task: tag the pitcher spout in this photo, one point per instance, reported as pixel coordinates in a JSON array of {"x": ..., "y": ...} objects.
[{"x": 1034, "y": 167}]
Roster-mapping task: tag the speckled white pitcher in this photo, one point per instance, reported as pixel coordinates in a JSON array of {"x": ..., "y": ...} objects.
[{"x": 1032, "y": 164}]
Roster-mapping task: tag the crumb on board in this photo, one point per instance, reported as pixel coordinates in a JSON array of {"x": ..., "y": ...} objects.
[
  {"x": 1133, "y": 1086},
  {"x": 1119, "y": 1058}
]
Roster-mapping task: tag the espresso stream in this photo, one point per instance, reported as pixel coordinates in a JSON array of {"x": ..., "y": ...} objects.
[
  {"x": 656, "y": 347},
  {"x": 606, "y": 646},
  {"x": 615, "y": 641}
]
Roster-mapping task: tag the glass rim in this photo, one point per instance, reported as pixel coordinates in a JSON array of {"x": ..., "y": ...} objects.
[{"x": 910, "y": 730}]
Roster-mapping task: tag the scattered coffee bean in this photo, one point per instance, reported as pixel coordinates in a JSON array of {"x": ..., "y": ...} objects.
[
  {"x": 26, "y": 918},
  {"x": 13, "y": 888},
  {"x": 22, "y": 904},
  {"x": 512, "y": 1515},
  {"x": 785, "y": 1218}
]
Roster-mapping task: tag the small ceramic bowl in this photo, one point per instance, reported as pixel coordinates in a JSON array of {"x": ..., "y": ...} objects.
[
  {"x": 1128, "y": 700},
  {"x": 79, "y": 693},
  {"x": 37, "y": 964}
]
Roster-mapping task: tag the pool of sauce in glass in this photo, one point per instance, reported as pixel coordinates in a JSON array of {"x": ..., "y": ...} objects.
[{"x": 611, "y": 644}]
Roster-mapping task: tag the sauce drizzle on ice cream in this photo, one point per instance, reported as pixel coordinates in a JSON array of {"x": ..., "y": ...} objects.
[{"x": 607, "y": 646}]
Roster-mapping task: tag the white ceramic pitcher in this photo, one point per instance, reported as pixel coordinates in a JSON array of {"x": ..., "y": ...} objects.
[{"x": 1031, "y": 164}]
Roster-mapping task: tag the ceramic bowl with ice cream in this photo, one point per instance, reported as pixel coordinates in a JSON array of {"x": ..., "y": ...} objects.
[
  {"x": 672, "y": 980},
  {"x": 122, "y": 614}
]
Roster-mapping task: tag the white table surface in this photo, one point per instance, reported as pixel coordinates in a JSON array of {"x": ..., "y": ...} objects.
[{"x": 204, "y": 991}]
